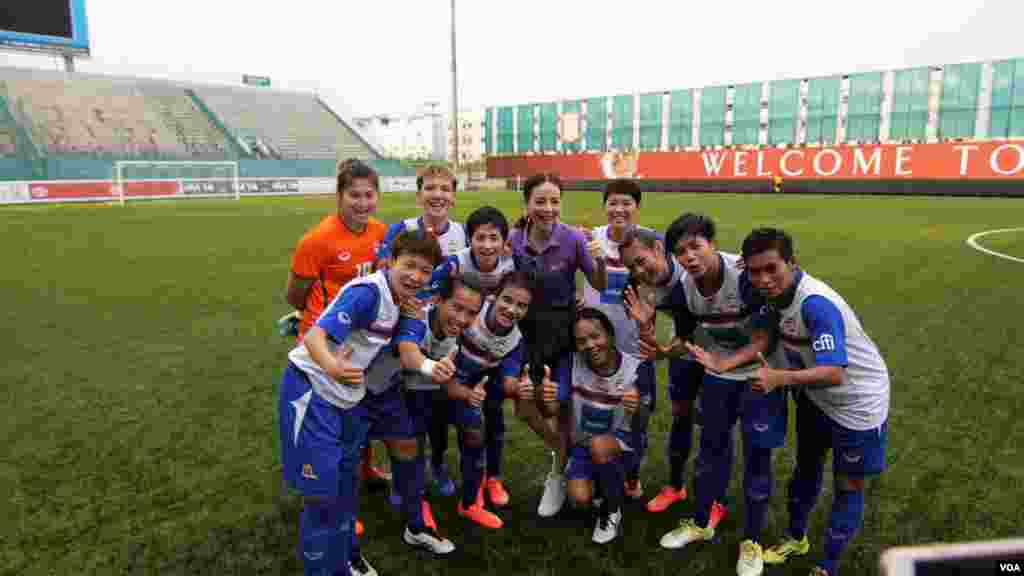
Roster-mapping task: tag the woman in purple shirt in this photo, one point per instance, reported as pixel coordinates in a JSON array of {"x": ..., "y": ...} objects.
[{"x": 552, "y": 253}]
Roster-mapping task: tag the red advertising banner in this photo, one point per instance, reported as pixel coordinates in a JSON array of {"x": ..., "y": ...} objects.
[
  {"x": 939, "y": 161},
  {"x": 69, "y": 190}
]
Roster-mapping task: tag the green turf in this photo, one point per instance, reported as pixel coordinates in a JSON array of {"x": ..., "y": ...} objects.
[
  {"x": 1010, "y": 243},
  {"x": 142, "y": 370}
]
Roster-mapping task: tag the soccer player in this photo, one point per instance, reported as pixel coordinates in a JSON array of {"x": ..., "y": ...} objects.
[
  {"x": 552, "y": 252},
  {"x": 493, "y": 341},
  {"x": 324, "y": 414},
  {"x": 621, "y": 204},
  {"x": 435, "y": 195},
  {"x": 484, "y": 264},
  {"x": 427, "y": 349},
  {"x": 715, "y": 304},
  {"x": 841, "y": 384},
  {"x": 643, "y": 253},
  {"x": 598, "y": 386}
]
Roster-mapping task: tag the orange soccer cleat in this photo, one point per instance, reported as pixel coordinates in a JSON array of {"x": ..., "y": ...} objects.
[{"x": 667, "y": 497}]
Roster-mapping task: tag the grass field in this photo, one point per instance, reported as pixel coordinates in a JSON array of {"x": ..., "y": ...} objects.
[{"x": 142, "y": 368}]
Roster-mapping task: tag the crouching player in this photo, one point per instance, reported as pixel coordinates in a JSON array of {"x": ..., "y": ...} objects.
[
  {"x": 841, "y": 384},
  {"x": 324, "y": 414},
  {"x": 492, "y": 341},
  {"x": 597, "y": 384},
  {"x": 427, "y": 349}
]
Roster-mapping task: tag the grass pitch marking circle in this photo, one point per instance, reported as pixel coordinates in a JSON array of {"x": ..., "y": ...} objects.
[{"x": 973, "y": 243}]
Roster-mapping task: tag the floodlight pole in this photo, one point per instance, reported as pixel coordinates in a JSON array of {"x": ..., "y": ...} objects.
[{"x": 455, "y": 98}]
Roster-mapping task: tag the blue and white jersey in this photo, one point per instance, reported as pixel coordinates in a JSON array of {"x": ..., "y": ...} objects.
[
  {"x": 820, "y": 329},
  {"x": 595, "y": 400},
  {"x": 363, "y": 317},
  {"x": 482, "y": 349},
  {"x": 462, "y": 264},
  {"x": 451, "y": 239},
  {"x": 722, "y": 322},
  {"x": 610, "y": 300},
  {"x": 434, "y": 348}
]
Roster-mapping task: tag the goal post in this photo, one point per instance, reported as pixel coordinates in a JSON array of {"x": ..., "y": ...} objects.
[{"x": 156, "y": 179}]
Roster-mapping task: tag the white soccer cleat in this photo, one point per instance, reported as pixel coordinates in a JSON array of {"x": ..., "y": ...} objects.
[
  {"x": 608, "y": 527},
  {"x": 554, "y": 496},
  {"x": 428, "y": 539},
  {"x": 687, "y": 532},
  {"x": 751, "y": 561},
  {"x": 361, "y": 567}
]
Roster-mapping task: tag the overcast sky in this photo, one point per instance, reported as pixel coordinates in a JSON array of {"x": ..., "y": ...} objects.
[{"x": 391, "y": 56}]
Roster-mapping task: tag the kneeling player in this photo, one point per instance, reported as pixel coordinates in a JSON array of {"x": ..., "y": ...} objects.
[
  {"x": 324, "y": 420},
  {"x": 598, "y": 386}
]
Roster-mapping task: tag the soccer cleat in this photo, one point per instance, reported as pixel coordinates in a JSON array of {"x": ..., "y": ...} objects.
[
  {"x": 786, "y": 549},
  {"x": 360, "y": 567},
  {"x": 667, "y": 497},
  {"x": 477, "y": 513},
  {"x": 609, "y": 525},
  {"x": 442, "y": 482},
  {"x": 428, "y": 515},
  {"x": 751, "y": 562},
  {"x": 687, "y": 532},
  {"x": 553, "y": 499},
  {"x": 428, "y": 539},
  {"x": 634, "y": 489},
  {"x": 496, "y": 492},
  {"x": 717, "y": 514},
  {"x": 818, "y": 571},
  {"x": 359, "y": 528},
  {"x": 373, "y": 476}
]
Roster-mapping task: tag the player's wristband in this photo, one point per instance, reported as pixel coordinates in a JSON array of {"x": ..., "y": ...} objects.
[{"x": 427, "y": 368}]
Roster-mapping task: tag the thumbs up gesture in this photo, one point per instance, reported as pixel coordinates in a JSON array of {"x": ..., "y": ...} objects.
[
  {"x": 631, "y": 401},
  {"x": 767, "y": 378},
  {"x": 525, "y": 391},
  {"x": 477, "y": 394},
  {"x": 444, "y": 369},
  {"x": 344, "y": 371},
  {"x": 549, "y": 388}
]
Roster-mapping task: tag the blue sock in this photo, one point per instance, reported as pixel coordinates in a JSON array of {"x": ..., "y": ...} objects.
[
  {"x": 611, "y": 476},
  {"x": 680, "y": 442},
  {"x": 804, "y": 489},
  {"x": 324, "y": 544},
  {"x": 494, "y": 438},
  {"x": 757, "y": 487},
  {"x": 633, "y": 460},
  {"x": 421, "y": 475},
  {"x": 472, "y": 472},
  {"x": 844, "y": 522},
  {"x": 715, "y": 465},
  {"x": 405, "y": 480}
]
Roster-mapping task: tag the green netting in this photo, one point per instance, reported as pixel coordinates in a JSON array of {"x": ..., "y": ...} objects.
[
  {"x": 909, "y": 118},
  {"x": 1007, "y": 99},
  {"x": 524, "y": 129},
  {"x": 488, "y": 131},
  {"x": 549, "y": 127},
  {"x": 597, "y": 124},
  {"x": 746, "y": 114},
  {"x": 783, "y": 111},
  {"x": 505, "y": 130},
  {"x": 650, "y": 121},
  {"x": 822, "y": 109},
  {"x": 958, "y": 106},
  {"x": 680, "y": 119},
  {"x": 712, "y": 116},
  {"x": 622, "y": 123},
  {"x": 864, "y": 112},
  {"x": 570, "y": 115}
]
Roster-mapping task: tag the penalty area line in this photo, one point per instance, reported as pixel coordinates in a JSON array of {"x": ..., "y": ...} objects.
[{"x": 972, "y": 241}]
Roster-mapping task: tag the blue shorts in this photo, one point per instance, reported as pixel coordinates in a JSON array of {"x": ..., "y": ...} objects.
[
  {"x": 581, "y": 463},
  {"x": 420, "y": 407},
  {"x": 763, "y": 416},
  {"x": 647, "y": 384},
  {"x": 464, "y": 415},
  {"x": 855, "y": 453},
  {"x": 320, "y": 443},
  {"x": 684, "y": 379},
  {"x": 386, "y": 415}
]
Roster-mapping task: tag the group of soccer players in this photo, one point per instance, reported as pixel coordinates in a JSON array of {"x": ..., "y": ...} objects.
[{"x": 404, "y": 332}]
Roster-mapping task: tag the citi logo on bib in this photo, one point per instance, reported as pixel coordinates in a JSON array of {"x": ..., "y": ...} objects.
[{"x": 824, "y": 343}]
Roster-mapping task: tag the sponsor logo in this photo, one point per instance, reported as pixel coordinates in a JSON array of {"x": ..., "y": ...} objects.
[
  {"x": 344, "y": 256},
  {"x": 314, "y": 556},
  {"x": 39, "y": 191},
  {"x": 824, "y": 343},
  {"x": 759, "y": 427},
  {"x": 852, "y": 457},
  {"x": 1009, "y": 567},
  {"x": 344, "y": 318},
  {"x": 307, "y": 472}
]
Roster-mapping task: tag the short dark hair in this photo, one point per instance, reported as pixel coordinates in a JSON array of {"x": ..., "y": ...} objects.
[
  {"x": 417, "y": 243},
  {"x": 624, "y": 187},
  {"x": 601, "y": 318},
  {"x": 447, "y": 289},
  {"x": 349, "y": 170},
  {"x": 764, "y": 239},
  {"x": 689, "y": 224},
  {"x": 518, "y": 279},
  {"x": 487, "y": 215},
  {"x": 644, "y": 236}
]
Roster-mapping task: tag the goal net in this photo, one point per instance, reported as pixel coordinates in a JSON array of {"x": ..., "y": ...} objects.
[{"x": 137, "y": 179}]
